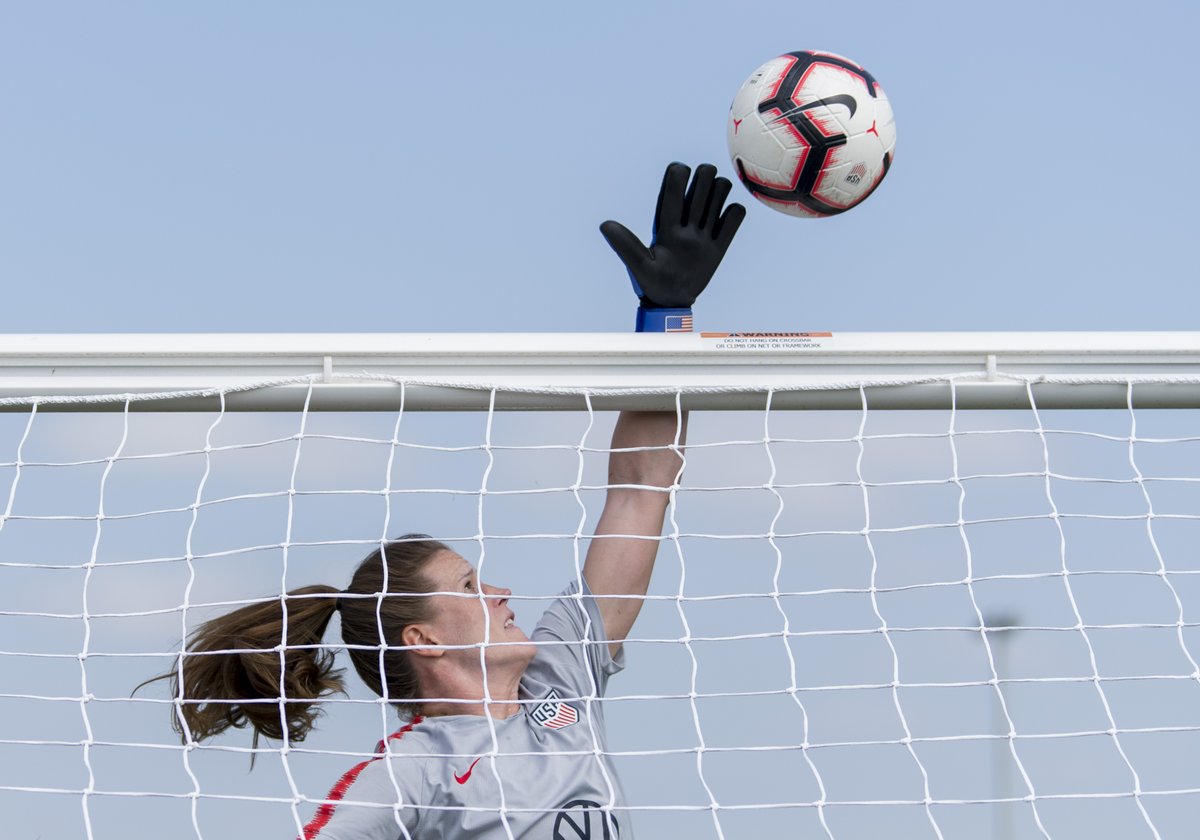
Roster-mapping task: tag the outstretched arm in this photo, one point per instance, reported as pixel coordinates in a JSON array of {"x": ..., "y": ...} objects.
[
  {"x": 639, "y": 483},
  {"x": 692, "y": 231}
]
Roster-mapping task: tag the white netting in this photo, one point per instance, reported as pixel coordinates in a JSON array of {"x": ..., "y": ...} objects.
[{"x": 862, "y": 623}]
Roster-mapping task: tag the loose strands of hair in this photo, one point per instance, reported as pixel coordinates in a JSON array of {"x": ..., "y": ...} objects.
[
  {"x": 236, "y": 657},
  {"x": 370, "y": 624}
]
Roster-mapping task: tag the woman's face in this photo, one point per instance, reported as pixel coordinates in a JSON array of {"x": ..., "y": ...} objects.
[{"x": 468, "y": 612}]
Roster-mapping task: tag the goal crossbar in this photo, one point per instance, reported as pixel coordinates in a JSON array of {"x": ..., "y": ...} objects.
[{"x": 553, "y": 371}]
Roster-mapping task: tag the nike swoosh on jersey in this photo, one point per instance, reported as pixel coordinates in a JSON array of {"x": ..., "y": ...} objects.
[{"x": 462, "y": 780}]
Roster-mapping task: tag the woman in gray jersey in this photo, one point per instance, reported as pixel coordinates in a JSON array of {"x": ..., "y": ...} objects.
[{"x": 505, "y": 734}]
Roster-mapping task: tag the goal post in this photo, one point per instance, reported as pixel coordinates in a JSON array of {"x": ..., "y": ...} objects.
[
  {"x": 911, "y": 585},
  {"x": 267, "y": 372}
]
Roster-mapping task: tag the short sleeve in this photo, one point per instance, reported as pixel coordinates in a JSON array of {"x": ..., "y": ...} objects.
[
  {"x": 573, "y": 646},
  {"x": 362, "y": 805}
]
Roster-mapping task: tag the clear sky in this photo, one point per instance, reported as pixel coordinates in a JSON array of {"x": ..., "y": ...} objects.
[
  {"x": 377, "y": 167},
  {"x": 380, "y": 167}
]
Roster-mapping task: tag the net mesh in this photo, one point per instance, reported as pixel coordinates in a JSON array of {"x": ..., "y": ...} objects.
[{"x": 919, "y": 623}]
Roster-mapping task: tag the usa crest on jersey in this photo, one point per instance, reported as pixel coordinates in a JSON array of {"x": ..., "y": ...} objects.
[{"x": 552, "y": 713}]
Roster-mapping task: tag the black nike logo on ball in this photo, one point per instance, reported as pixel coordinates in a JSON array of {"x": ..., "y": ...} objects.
[{"x": 840, "y": 99}]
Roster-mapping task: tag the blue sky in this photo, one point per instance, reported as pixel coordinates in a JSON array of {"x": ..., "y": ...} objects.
[{"x": 420, "y": 167}]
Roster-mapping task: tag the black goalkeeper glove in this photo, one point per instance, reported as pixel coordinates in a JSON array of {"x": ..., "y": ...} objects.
[{"x": 690, "y": 237}]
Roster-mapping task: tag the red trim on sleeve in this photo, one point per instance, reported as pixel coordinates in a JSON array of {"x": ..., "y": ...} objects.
[{"x": 325, "y": 812}]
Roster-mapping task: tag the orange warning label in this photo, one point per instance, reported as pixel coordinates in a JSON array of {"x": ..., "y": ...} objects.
[
  {"x": 765, "y": 340},
  {"x": 766, "y": 335}
]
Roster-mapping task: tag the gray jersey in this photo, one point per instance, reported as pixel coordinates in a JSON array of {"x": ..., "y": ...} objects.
[{"x": 545, "y": 775}]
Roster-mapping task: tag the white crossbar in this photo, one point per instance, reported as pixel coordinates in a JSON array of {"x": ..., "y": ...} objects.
[{"x": 547, "y": 371}]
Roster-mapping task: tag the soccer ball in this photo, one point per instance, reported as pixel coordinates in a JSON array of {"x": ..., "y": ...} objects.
[{"x": 811, "y": 134}]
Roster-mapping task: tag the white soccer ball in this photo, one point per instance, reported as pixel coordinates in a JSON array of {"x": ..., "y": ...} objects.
[{"x": 811, "y": 134}]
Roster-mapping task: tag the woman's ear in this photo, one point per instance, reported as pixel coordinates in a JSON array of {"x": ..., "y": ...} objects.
[{"x": 418, "y": 638}]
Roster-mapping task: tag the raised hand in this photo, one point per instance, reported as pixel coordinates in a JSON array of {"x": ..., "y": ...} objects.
[{"x": 690, "y": 237}]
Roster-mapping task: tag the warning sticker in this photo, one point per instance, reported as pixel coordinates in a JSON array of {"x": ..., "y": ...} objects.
[{"x": 765, "y": 340}]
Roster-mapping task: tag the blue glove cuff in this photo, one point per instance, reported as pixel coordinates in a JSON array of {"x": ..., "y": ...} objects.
[{"x": 664, "y": 320}]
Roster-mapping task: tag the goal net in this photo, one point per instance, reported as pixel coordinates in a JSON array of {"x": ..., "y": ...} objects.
[{"x": 938, "y": 586}]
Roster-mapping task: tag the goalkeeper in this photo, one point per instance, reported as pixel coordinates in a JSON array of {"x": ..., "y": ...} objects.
[{"x": 504, "y": 737}]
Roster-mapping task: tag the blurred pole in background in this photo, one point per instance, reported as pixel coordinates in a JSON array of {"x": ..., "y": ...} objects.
[{"x": 1000, "y": 628}]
